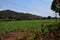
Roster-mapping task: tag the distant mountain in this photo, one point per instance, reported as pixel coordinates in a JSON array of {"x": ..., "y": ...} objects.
[{"x": 12, "y": 15}]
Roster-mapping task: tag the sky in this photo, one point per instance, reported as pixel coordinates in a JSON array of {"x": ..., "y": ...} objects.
[{"x": 36, "y": 7}]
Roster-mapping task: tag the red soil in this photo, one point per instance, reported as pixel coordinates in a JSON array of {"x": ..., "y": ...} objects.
[{"x": 53, "y": 35}]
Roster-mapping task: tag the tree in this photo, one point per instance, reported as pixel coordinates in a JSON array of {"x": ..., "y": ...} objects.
[
  {"x": 56, "y": 6},
  {"x": 44, "y": 17},
  {"x": 49, "y": 17}
]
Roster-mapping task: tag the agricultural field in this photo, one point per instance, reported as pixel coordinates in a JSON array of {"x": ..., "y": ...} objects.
[
  {"x": 27, "y": 25},
  {"x": 28, "y": 30}
]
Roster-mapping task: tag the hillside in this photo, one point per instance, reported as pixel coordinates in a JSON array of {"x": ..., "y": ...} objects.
[{"x": 12, "y": 15}]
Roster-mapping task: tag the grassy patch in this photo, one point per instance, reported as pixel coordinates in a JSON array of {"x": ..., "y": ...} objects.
[{"x": 36, "y": 25}]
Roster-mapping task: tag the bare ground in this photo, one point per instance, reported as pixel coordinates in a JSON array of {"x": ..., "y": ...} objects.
[{"x": 28, "y": 35}]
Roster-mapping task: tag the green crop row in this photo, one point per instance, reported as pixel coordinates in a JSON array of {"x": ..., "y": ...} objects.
[{"x": 36, "y": 25}]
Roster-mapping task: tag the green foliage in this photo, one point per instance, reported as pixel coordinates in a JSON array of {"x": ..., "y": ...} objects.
[
  {"x": 35, "y": 25},
  {"x": 12, "y": 15},
  {"x": 31, "y": 37},
  {"x": 55, "y": 6}
]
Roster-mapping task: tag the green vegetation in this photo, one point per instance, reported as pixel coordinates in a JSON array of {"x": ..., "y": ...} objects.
[
  {"x": 56, "y": 6},
  {"x": 9, "y": 15},
  {"x": 32, "y": 25}
]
